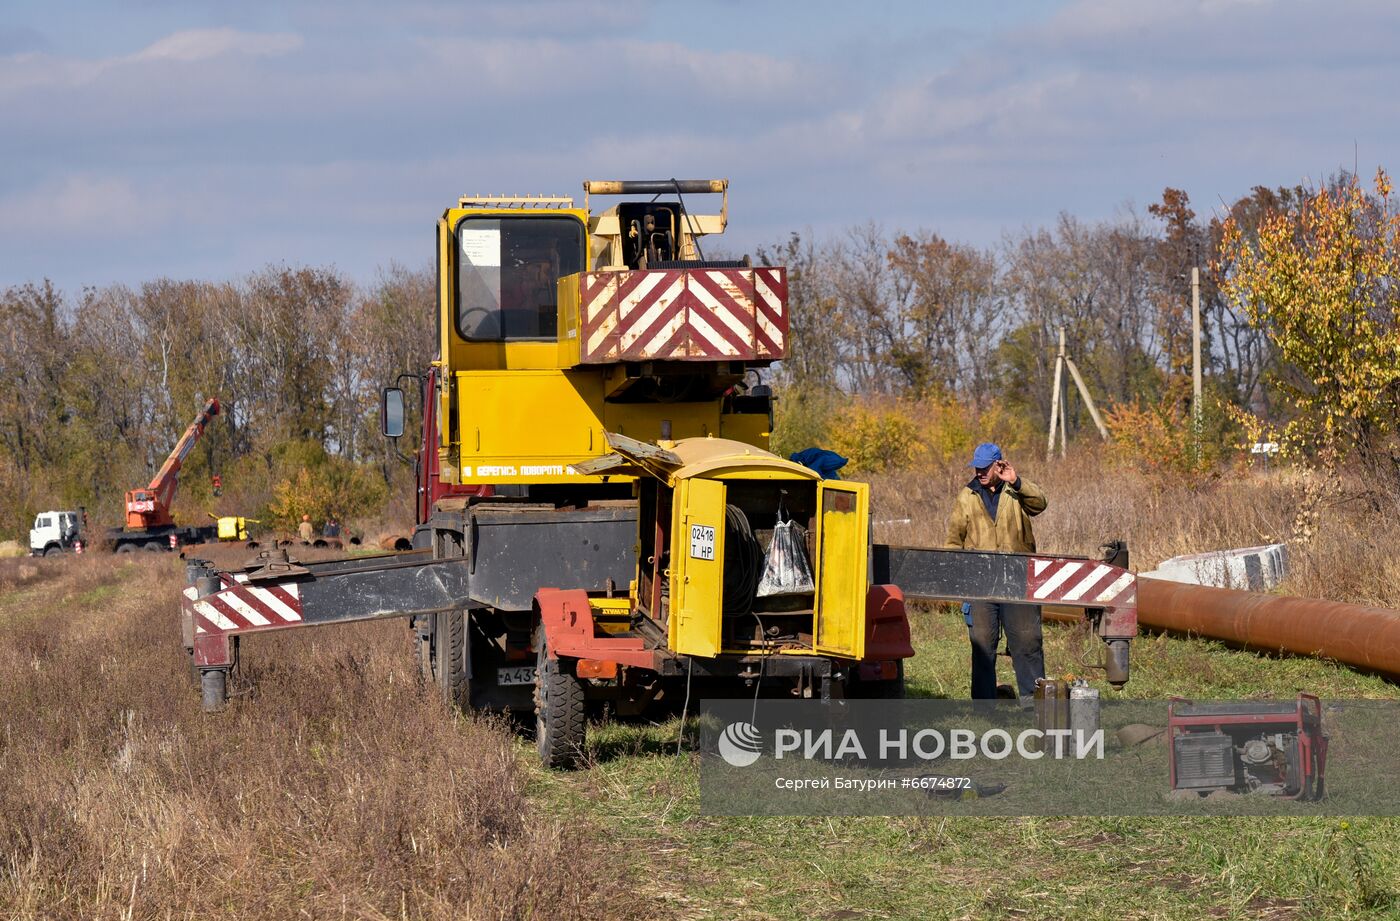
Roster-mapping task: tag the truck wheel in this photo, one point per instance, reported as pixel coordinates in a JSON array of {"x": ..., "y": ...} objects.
[
  {"x": 126, "y": 548},
  {"x": 560, "y": 721},
  {"x": 449, "y": 658},
  {"x": 455, "y": 657},
  {"x": 151, "y": 547},
  {"x": 52, "y": 550}
]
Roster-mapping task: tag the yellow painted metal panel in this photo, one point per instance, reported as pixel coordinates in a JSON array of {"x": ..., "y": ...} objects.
[
  {"x": 568, "y": 320},
  {"x": 507, "y": 356},
  {"x": 750, "y": 428},
  {"x": 642, "y": 421},
  {"x": 843, "y": 527},
  {"x": 527, "y": 426},
  {"x": 697, "y": 567},
  {"x": 447, "y": 335}
]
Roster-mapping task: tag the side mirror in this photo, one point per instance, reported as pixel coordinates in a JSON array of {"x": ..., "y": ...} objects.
[{"x": 391, "y": 412}]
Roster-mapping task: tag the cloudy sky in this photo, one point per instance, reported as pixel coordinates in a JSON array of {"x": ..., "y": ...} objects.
[{"x": 203, "y": 139}]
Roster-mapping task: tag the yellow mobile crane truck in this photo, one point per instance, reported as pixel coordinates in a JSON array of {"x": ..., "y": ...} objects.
[{"x": 596, "y": 498}]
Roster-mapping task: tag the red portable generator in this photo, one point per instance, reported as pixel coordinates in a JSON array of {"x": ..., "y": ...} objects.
[{"x": 1275, "y": 748}]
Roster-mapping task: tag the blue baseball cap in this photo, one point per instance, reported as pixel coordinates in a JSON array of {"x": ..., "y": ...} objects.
[{"x": 985, "y": 455}]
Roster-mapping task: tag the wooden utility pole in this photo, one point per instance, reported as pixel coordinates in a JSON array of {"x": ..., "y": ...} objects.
[
  {"x": 1059, "y": 400},
  {"x": 1196, "y": 345},
  {"x": 1055, "y": 411},
  {"x": 1064, "y": 403},
  {"x": 1088, "y": 400}
]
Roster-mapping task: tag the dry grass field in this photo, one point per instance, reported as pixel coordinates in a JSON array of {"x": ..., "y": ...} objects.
[
  {"x": 340, "y": 790},
  {"x": 336, "y": 787}
]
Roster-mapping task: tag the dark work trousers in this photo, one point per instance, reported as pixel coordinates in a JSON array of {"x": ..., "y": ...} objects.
[{"x": 1021, "y": 622}]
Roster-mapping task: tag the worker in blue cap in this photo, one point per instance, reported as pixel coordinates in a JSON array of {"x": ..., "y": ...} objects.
[{"x": 993, "y": 513}]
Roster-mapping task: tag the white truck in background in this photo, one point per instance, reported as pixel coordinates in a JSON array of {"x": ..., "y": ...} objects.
[{"x": 57, "y": 532}]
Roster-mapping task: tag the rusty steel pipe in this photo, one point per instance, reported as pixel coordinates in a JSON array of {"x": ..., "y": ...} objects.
[
  {"x": 1363, "y": 637},
  {"x": 1061, "y": 615}
]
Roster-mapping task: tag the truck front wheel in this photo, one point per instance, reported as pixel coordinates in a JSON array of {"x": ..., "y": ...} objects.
[
  {"x": 463, "y": 665},
  {"x": 447, "y": 647},
  {"x": 560, "y": 721},
  {"x": 449, "y": 658}
]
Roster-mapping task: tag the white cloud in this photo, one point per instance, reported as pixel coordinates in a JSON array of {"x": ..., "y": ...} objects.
[
  {"x": 202, "y": 44},
  {"x": 89, "y": 204},
  {"x": 31, "y": 72},
  {"x": 483, "y": 20},
  {"x": 624, "y": 75}
]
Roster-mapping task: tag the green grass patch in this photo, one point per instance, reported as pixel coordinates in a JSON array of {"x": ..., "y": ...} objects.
[
  {"x": 96, "y": 595},
  {"x": 645, "y": 797}
]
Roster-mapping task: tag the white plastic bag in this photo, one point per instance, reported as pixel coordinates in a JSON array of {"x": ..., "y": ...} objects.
[{"x": 786, "y": 570}]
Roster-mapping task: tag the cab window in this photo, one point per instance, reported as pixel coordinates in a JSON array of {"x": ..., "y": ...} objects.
[{"x": 507, "y": 274}]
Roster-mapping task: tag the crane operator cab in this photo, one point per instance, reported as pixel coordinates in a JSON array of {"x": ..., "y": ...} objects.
[
  {"x": 560, "y": 323},
  {"x": 509, "y": 271}
]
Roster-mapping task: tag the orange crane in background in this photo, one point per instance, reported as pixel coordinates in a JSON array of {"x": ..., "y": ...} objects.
[{"x": 149, "y": 524}]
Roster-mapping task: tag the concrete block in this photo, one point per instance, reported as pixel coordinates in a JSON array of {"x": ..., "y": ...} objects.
[{"x": 1254, "y": 569}]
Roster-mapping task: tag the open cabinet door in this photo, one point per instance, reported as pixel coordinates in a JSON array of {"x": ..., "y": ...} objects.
[
  {"x": 697, "y": 567},
  {"x": 842, "y": 551},
  {"x": 447, "y": 311}
]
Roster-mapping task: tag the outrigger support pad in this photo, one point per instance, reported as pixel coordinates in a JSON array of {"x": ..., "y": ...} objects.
[{"x": 213, "y": 689}]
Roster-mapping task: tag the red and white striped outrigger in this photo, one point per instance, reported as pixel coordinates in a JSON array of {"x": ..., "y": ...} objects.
[
  {"x": 1081, "y": 582},
  {"x": 275, "y": 593},
  {"x": 1105, "y": 589},
  {"x": 238, "y": 608},
  {"x": 278, "y": 594}
]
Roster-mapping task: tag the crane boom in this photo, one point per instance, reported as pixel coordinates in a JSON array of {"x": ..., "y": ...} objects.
[{"x": 150, "y": 507}]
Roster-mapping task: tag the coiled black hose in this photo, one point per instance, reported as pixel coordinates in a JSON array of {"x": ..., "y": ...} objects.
[{"x": 743, "y": 562}]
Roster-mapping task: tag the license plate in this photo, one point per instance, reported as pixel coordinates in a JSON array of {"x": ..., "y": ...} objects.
[
  {"x": 520, "y": 674},
  {"x": 702, "y": 542}
]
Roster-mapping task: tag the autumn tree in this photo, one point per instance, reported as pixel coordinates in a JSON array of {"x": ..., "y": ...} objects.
[
  {"x": 1320, "y": 279},
  {"x": 392, "y": 330},
  {"x": 33, "y": 411},
  {"x": 1092, "y": 281},
  {"x": 1182, "y": 247},
  {"x": 1242, "y": 354},
  {"x": 955, "y": 315}
]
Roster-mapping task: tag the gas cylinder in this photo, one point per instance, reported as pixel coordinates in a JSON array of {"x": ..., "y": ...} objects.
[{"x": 1083, "y": 709}]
